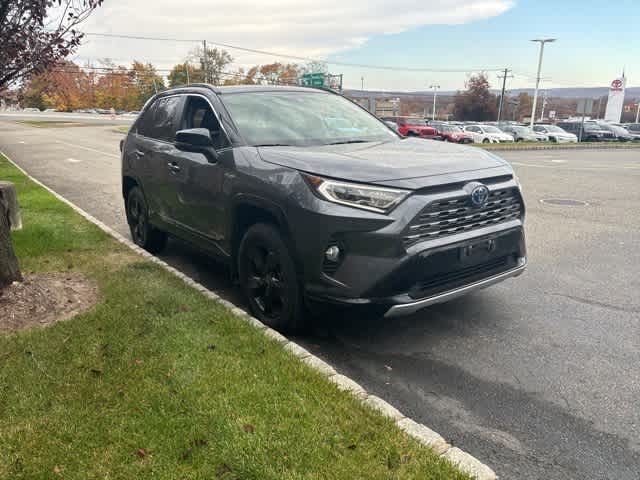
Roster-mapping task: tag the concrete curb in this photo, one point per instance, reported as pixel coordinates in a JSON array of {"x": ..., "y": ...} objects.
[{"x": 418, "y": 431}]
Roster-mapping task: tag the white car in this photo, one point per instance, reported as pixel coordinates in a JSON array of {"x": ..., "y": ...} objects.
[
  {"x": 556, "y": 134},
  {"x": 487, "y": 134}
]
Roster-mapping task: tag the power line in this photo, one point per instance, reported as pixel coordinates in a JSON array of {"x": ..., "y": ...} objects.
[{"x": 296, "y": 57}]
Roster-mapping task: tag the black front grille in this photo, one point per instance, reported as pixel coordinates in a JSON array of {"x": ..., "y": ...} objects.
[
  {"x": 448, "y": 217},
  {"x": 449, "y": 280}
]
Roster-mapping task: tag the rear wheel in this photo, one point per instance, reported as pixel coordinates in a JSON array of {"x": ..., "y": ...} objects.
[
  {"x": 142, "y": 232},
  {"x": 486, "y": 140},
  {"x": 268, "y": 278}
]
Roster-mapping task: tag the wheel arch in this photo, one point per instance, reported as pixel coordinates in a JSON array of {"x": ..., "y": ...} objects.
[{"x": 249, "y": 210}]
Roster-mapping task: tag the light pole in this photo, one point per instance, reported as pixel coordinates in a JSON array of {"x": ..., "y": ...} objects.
[
  {"x": 435, "y": 95},
  {"x": 542, "y": 41},
  {"x": 362, "y": 80}
]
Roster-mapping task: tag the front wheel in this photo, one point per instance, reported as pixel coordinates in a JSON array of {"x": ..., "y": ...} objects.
[
  {"x": 142, "y": 232},
  {"x": 486, "y": 140},
  {"x": 269, "y": 280}
]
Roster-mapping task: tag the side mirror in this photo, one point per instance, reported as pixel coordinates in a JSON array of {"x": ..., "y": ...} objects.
[{"x": 197, "y": 140}]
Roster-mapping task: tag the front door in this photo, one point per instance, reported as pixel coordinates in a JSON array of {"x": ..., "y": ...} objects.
[{"x": 200, "y": 186}]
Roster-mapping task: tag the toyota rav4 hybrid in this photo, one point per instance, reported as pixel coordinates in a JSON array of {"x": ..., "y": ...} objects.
[{"x": 311, "y": 201}]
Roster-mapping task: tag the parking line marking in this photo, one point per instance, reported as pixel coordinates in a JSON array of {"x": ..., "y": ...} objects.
[{"x": 88, "y": 148}]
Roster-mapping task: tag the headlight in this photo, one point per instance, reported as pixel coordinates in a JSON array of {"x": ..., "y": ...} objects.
[{"x": 375, "y": 199}]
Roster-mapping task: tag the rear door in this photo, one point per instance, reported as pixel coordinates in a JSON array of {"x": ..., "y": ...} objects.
[{"x": 160, "y": 159}]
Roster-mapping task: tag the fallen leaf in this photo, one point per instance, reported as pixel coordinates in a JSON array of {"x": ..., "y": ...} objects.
[
  {"x": 141, "y": 452},
  {"x": 137, "y": 361},
  {"x": 57, "y": 470}
]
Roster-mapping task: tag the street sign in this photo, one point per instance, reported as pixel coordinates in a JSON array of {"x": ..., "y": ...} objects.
[
  {"x": 313, "y": 80},
  {"x": 552, "y": 114}
]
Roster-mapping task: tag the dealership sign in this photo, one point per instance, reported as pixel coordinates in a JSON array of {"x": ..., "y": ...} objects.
[{"x": 616, "y": 100}]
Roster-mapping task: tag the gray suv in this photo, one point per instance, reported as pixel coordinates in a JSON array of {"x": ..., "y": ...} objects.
[{"x": 312, "y": 201}]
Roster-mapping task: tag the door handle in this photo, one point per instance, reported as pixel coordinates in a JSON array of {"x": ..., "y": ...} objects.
[
  {"x": 174, "y": 167},
  {"x": 139, "y": 153}
]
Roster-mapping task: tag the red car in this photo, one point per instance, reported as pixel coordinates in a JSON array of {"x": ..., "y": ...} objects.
[
  {"x": 453, "y": 133},
  {"x": 414, "y": 127}
]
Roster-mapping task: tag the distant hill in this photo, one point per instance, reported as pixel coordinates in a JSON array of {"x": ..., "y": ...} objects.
[{"x": 572, "y": 92}]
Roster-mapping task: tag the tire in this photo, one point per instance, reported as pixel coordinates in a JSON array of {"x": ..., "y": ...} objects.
[
  {"x": 269, "y": 280},
  {"x": 553, "y": 139},
  {"x": 486, "y": 140},
  {"x": 142, "y": 232}
]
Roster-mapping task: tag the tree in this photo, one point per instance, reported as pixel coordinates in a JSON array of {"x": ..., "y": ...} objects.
[
  {"x": 477, "y": 103},
  {"x": 35, "y": 34},
  {"x": 178, "y": 75},
  {"x": 146, "y": 80},
  {"x": 213, "y": 64}
]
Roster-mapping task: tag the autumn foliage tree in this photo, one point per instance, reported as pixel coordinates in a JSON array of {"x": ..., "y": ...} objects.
[
  {"x": 476, "y": 103},
  {"x": 35, "y": 34}
]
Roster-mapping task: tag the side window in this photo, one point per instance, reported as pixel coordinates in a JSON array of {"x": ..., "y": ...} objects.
[
  {"x": 161, "y": 119},
  {"x": 144, "y": 123},
  {"x": 166, "y": 118},
  {"x": 198, "y": 114}
]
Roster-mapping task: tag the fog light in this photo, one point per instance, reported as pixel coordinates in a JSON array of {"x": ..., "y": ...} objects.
[{"x": 332, "y": 253}]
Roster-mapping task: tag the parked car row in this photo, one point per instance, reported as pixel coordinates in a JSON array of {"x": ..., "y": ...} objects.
[{"x": 500, "y": 132}]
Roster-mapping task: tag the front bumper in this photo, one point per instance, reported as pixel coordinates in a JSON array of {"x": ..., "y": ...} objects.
[{"x": 412, "y": 307}]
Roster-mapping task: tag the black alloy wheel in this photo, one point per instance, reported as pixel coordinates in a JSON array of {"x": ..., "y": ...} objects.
[
  {"x": 269, "y": 280},
  {"x": 265, "y": 283},
  {"x": 143, "y": 234}
]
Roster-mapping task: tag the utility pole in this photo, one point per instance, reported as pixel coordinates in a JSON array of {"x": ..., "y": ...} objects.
[
  {"x": 542, "y": 41},
  {"x": 638, "y": 112},
  {"x": 362, "y": 80},
  {"x": 504, "y": 85},
  {"x": 435, "y": 95},
  {"x": 186, "y": 68},
  {"x": 205, "y": 61}
]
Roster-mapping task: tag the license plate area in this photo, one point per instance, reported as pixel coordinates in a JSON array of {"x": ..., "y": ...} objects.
[{"x": 477, "y": 252}]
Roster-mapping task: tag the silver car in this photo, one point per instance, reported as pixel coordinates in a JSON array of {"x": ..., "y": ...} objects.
[{"x": 556, "y": 134}]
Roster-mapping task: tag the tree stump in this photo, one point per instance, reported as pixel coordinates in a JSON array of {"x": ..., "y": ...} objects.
[{"x": 10, "y": 219}]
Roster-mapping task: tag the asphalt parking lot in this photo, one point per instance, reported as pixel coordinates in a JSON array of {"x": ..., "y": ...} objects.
[{"x": 538, "y": 377}]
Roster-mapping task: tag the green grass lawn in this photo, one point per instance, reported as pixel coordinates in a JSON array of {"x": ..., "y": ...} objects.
[{"x": 157, "y": 381}]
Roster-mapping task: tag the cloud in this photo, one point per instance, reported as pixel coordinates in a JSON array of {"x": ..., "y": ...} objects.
[{"x": 311, "y": 29}]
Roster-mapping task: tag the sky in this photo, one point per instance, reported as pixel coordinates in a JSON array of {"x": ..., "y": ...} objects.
[{"x": 420, "y": 42}]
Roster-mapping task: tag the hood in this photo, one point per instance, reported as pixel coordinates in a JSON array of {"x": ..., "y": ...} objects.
[{"x": 409, "y": 163}]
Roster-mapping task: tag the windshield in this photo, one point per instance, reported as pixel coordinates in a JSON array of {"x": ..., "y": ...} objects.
[
  {"x": 553, "y": 128},
  {"x": 522, "y": 129},
  {"x": 490, "y": 129},
  {"x": 302, "y": 118}
]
